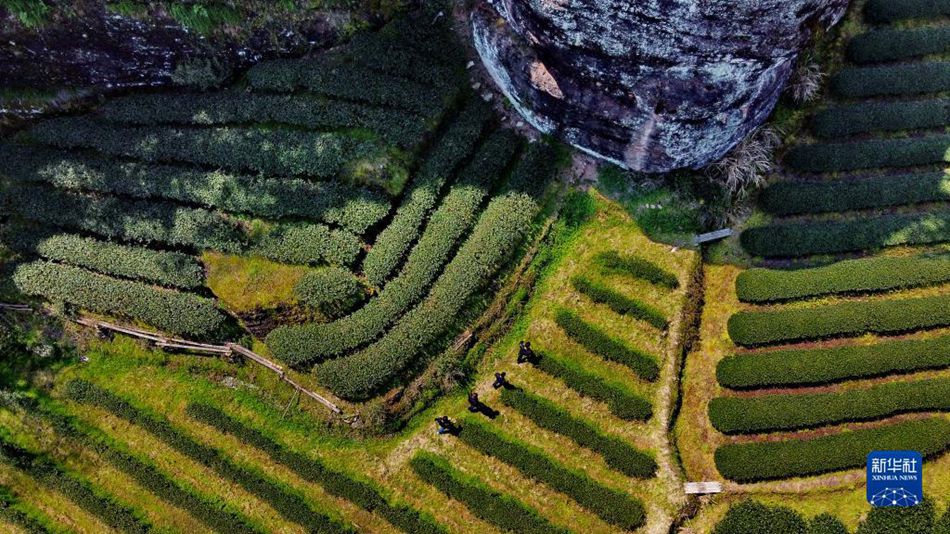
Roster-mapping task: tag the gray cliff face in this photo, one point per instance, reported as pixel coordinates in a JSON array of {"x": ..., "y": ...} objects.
[{"x": 652, "y": 85}]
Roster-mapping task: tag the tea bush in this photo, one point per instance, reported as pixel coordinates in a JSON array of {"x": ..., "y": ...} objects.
[
  {"x": 867, "y": 117},
  {"x": 619, "y": 302},
  {"x": 621, "y": 402},
  {"x": 896, "y": 44},
  {"x": 332, "y": 290},
  {"x": 892, "y": 80},
  {"x": 792, "y": 198},
  {"x": 870, "y": 154},
  {"x": 598, "y": 342},
  {"x": 890, "y": 11},
  {"x": 613, "y": 262}
]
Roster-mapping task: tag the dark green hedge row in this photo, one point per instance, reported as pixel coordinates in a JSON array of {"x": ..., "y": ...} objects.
[
  {"x": 598, "y": 342},
  {"x": 172, "y": 311},
  {"x": 917, "y": 519},
  {"x": 302, "y": 344},
  {"x": 449, "y": 151},
  {"x": 617, "y": 453},
  {"x": 498, "y": 233},
  {"x": 865, "y": 117},
  {"x": 240, "y": 107},
  {"x": 891, "y": 10},
  {"x": 791, "y": 198},
  {"x": 613, "y": 506},
  {"x": 335, "y": 483},
  {"x": 871, "y": 154},
  {"x": 328, "y": 76},
  {"x": 351, "y": 207},
  {"x": 391, "y": 54},
  {"x": 752, "y": 415},
  {"x": 613, "y": 261},
  {"x": 843, "y": 319},
  {"x": 619, "y": 302},
  {"x": 831, "y": 237},
  {"x": 437, "y": 41},
  {"x": 11, "y": 512},
  {"x": 895, "y": 44},
  {"x": 164, "y": 222},
  {"x": 496, "y": 508},
  {"x": 826, "y": 365},
  {"x": 867, "y": 275},
  {"x": 750, "y": 462},
  {"x": 333, "y": 290},
  {"x": 288, "y": 503},
  {"x": 752, "y": 516},
  {"x": 621, "y": 402},
  {"x": 270, "y": 151},
  {"x": 892, "y": 80},
  {"x": 77, "y": 490},
  {"x": 165, "y": 268}
]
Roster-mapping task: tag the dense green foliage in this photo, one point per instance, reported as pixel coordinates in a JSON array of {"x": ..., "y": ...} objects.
[
  {"x": 750, "y": 462},
  {"x": 890, "y": 11},
  {"x": 138, "y": 263},
  {"x": 843, "y": 319},
  {"x": 77, "y": 490},
  {"x": 864, "y": 233},
  {"x": 896, "y": 80},
  {"x": 612, "y": 261},
  {"x": 239, "y": 107},
  {"x": 752, "y": 516},
  {"x": 826, "y": 365},
  {"x": 611, "y": 505},
  {"x": 485, "y": 503},
  {"x": 621, "y": 402},
  {"x": 869, "y": 154},
  {"x": 616, "y": 452},
  {"x": 896, "y": 44},
  {"x": 751, "y": 415},
  {"x": 290, "y": 504},
  {"x": 791, "y": 198},
  {"x": 335, "y": 483},
  {"x": 270, "y": 151},
  {"x": 354, "y": 208},
  {"x": 304, "y": 243},
  {"x": 866, "y": 117},
  {"x": 332, "y": 290},
  {"x": 866, "y": 275},
  {"x": 497, "y": 234},
  {"x": 600, "y": 343},
  {"x": 12, "y": 512},
  {"x": 918, "y": 519},
  {"x": 172, "y": 311},
  {"x": 619, "y": 302},
  {"x": 449, "y": 151},
  {"x": 299, "y": 345}
]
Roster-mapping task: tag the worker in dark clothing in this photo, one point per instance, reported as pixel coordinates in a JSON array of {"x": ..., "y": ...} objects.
[
  {"x": 474, "y": 405},
  {"x": 525, "y": 354},
  {"x": 446, "y": 426},
  {"x": 500, "y": 380}
]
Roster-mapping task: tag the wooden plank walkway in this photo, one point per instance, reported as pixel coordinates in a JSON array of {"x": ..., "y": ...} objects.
[
  {"x": 702, "y": 488},
  {"x": 712, "y": 236}
]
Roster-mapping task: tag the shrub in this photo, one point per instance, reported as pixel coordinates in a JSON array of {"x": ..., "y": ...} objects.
[
  {"x": 332, "y": 290},
  {"x": 172, "y": 311},
  {"x": 77, "y": 490},
  {"x": 11, "y": 511},
  {"x": 751, "y": 415},
  {"x": 750, "y": 462},
  {"x": 608, "y": 348},
  {"x": 288, "y": 503},
  {"x": 917, "y": 519},
  {"x": 270, "y": 151},
  {"x": 752, "y": 516},
  {"x": 240, "y": 107},
  {"x": 867, "y": 275},
  {"x": 317, "y": 342},
  {"x": 612, "y": 262},
  {"x": 498, "y": 232},
  {"x": 354, "y": 208},
  {"x": 304, "y": 243},
  {"x": 328, "y": 76},
  {"x": 613, "y": 506},
  {"x": 747, "y": 165},
  {"x": 867, "y": 117},
  {"x": 805, "y": 84},
  {"x": 449, "y": 151},
  {"x": 488, "y": 505},
  {"x": 870, "y": 154},
  {"x": 200, "y": 73},
  {"x": 791, "y": 198},
  {"x": 896, "y": 44},
  {"x": 844, "y": 319},
  {"x": 890, "y": 11},
  {"x": 901, "y": 79},
  {"x": 826, "y": 365},
  {"x": 826, "y": 524},
  {"x": 165, "y": 268},
  {"x": 618, "y": 302},
  {"x": 616, "y": 452},
  {"x": 621, "y": 402},
  {"x": 335, "y": 483},
  {"x": 393, "y": 54},
  {"x": 829, "y": 237}
]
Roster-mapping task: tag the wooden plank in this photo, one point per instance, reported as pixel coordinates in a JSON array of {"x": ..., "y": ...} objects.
[
  {"x": 701, "y": 488},
  {"x": 712, "y": 236}
]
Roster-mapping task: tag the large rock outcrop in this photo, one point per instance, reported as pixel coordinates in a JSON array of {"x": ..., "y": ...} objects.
[{"x": 653, "y": 85}]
